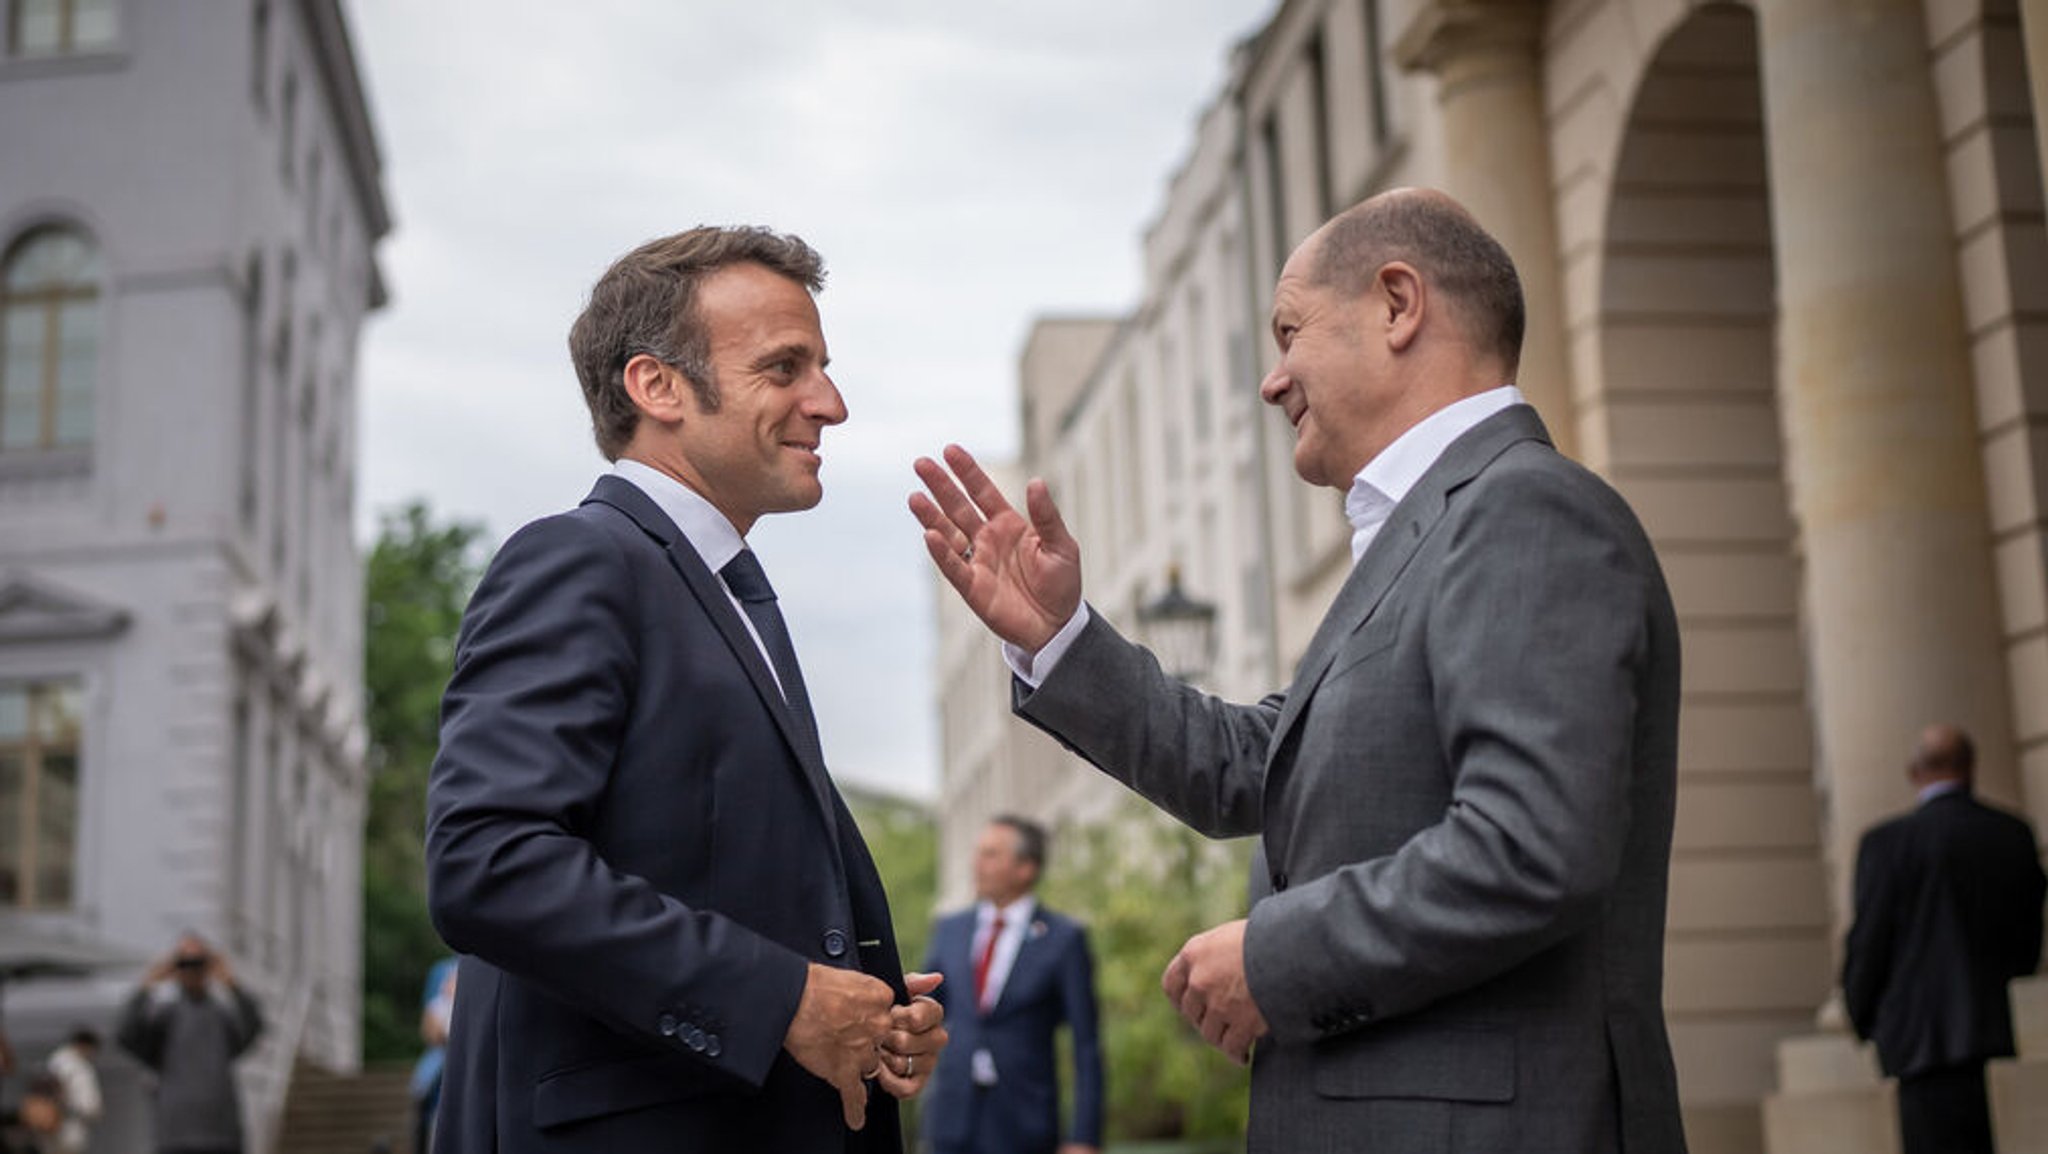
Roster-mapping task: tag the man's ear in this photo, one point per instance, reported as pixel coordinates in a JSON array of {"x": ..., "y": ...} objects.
[
  {"x": 1402, "y": 301},
  {"x": 656, "y": 389}
]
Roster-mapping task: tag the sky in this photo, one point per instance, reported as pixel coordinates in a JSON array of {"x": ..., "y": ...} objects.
[{"x": 963, "y": 167}]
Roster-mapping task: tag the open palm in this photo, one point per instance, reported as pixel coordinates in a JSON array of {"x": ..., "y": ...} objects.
[{"x": 1020, "y": 574}]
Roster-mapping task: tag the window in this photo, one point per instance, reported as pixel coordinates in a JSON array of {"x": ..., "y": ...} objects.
[
  {"x": 49, "y": 341},
  {"x": 63, "y": 27},
  {"x": 39, "y": 723}
]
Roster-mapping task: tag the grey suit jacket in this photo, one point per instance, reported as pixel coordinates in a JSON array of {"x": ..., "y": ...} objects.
[{"x": 1466, "y": 798}]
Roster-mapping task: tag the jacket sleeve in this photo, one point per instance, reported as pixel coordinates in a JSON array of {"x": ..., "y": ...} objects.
[
  {"x": 1538, "y": 646},
  {"x": 1867, "y": 951},
  {"x": 1197, "y": 757},
  {"x": 245, "y": 1019},
  {"x": 546, "y": 674},
  {"x": 140, "y": 1032},
  {"x": 1077, "y": 997}
]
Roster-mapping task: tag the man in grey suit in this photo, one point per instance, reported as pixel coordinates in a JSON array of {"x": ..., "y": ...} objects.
[{"x": 1466, "y": 795}]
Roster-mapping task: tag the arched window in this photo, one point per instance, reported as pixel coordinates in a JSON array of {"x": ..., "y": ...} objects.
[{"x": 49, "y": 341}]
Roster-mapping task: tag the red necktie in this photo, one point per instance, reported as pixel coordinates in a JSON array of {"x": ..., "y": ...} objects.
[{"x": 988, "y": 954}]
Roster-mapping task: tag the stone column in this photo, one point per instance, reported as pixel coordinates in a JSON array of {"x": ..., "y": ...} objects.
[
  {"x": 1875, "y": 386},
  {"x": 1486, "y": 55}
]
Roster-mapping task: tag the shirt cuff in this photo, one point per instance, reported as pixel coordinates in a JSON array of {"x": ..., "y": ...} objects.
[{"x": 1032, "y": 669}]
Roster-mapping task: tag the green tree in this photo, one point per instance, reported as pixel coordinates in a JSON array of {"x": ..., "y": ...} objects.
[
  {"x": 418, "y": 579},
  {"x": 1144, "y": 885},
  {"x": 904, "y": 840}
]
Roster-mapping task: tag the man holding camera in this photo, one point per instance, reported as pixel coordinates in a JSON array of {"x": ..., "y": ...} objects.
[{"x": 188, "y": 1022}]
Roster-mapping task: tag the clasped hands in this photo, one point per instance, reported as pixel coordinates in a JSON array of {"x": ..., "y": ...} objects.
[
  {"x": 1021, "y": 574},
  {"x": 849, "y": 1031}
]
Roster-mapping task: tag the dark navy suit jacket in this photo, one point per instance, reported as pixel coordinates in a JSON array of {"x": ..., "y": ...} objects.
[
  {"x": 637, "y": 862},
  {"x": 1948, "y": 911},
  {"x": 1051, "y": 982}
]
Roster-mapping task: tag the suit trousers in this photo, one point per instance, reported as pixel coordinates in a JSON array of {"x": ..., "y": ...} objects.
[{"x": 1945, "y": 1111}]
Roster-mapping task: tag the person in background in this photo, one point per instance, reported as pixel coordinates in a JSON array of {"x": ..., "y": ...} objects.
[
  {"x": 1015, "y": 972},
  {"x": 75, "y": 1066},
  {"x": 437, "y": 1009},
  {"x": 1948, "y": 913},
  {"x": 188, "y": 1022}
]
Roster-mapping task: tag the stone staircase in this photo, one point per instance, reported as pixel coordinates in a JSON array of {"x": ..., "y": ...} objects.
[
  {"x": 348, "y": 1114},
  {"x": 1831, "y": 1099}
]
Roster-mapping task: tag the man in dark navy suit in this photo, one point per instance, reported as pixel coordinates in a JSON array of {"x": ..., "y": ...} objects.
[
  {"x": 675, "y": 936},
  {"x": 1948, "y": 912},
  {"x": 1015, "y": 972}
]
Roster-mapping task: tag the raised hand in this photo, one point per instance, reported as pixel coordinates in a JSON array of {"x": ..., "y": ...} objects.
[{"x": 1021, "y": 576}]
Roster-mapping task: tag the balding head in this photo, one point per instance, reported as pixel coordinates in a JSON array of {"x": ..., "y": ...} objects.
[
  {"x": 1457, "y": 258},
  {"x": 1944, "y": 753}
]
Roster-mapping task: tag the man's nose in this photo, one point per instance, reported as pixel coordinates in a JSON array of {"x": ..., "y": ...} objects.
[
  {"x": 826, "y": 406},
  {"x": 1275, "y": 385}
]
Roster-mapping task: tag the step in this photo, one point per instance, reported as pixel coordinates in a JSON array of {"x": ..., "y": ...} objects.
[
  {"x": 2019, "y": 1105},
  {"x": 1858, "y": 1120},
  {"x": 2030, "y": 1016},
  {"x": 1821, "y": 1063}
]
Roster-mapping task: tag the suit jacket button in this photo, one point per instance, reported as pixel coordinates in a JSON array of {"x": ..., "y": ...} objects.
[
  {"x": 668, "y": 1025},
  {"x": 835, "y": 944},
  {"x": 1279, "y": 880},
  {"x": 694, "y": 1039},
  {"x": 711, "y": 1047}
]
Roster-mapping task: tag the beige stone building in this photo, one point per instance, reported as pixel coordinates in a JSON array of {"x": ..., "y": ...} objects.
[{"x": 1788, "y": 285}]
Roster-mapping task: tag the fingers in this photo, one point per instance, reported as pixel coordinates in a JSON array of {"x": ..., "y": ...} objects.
[
  {"x": 1045, "y": 516},
  {"x": 937, "y": 524},
  {"x": 965, "y": 510},
  {"x": 987, "y": 498},
  {"x": 853, "y": 1098},
  {"x": 1175, "y": 980},
  {"x": 918, "y": 985},
  {"x": 919, "y": 1017}
]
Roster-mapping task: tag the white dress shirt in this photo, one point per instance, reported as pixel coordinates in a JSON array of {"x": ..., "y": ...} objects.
[
  {"x": 1016, "y": 921},
  {"x": 1388, "y": 477},
  {"x": 1374, "y": 492},
  {"x": 703, "y": 526}
]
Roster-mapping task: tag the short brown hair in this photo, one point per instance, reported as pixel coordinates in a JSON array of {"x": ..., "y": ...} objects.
[
  {"x": 646, "y": 302},
  {"x": 1451, "y": 251}
]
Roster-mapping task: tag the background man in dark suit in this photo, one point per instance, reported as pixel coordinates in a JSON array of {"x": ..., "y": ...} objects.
[
  {"x": 1466, "y": 795},
  {"x": 1015, "y": 971},
  {"x": 1948, "y": 911},
  {"x": 677, "y": 939}
]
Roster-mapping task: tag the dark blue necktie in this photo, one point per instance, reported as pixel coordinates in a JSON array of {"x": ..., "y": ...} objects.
[{"x": 748, "y": 582}]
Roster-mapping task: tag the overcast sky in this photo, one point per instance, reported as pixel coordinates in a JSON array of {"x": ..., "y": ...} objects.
[{"x": 963, "y": 167}]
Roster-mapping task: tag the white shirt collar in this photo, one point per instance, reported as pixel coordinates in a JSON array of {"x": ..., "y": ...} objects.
[
  {"x": 1936, "y": 789},
  {"x": 1015, "y": 914},
  {"x": 1388, "y": 477},
  {"x": 709, "y": 533}
]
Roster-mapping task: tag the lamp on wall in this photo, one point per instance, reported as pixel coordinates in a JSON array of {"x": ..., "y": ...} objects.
[{"x": 1179, "y": 630}]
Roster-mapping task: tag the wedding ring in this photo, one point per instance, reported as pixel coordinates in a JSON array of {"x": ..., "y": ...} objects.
[
  {"x": 967, "y": 554},
  {"x": 909, "y": 1066}
]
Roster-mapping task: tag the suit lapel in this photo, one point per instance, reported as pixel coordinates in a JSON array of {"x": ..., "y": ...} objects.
[
  {"x": 1388, "y": 556},
  {"x": 710, "y": 593},
  {"x": 1028, "y": 950}
]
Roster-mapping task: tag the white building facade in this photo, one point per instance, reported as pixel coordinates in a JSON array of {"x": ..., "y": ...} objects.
[{"x": 190, "y": 200}]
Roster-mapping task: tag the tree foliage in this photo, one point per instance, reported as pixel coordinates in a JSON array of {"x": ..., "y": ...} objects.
[
  {"x": 418, "y": 578},
  {"x": 1145, "y": 885}
]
